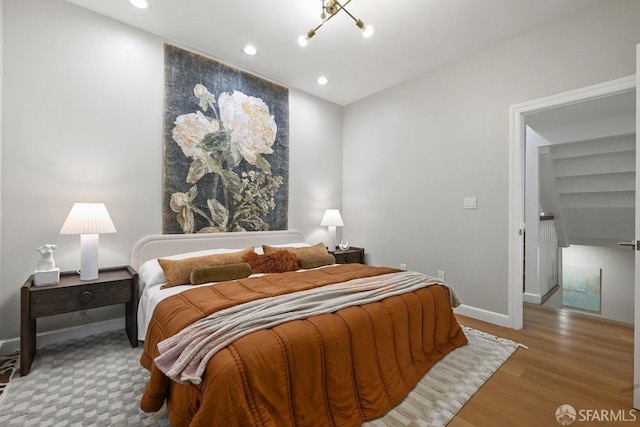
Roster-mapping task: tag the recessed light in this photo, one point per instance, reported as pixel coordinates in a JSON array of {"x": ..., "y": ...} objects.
[
  {"x": 140, "y": 4},
  {"x": 250, "y": 50},
  {"x": 322, "y": 80}
]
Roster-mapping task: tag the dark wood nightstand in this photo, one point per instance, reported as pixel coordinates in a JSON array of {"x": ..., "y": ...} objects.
[
  {"x": 115, "y": 285},
  {"x": 351, "y": 255}
]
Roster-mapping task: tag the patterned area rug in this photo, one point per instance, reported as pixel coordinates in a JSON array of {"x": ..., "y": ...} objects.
[
  {"x": 444, "y": 390},
  {"x": 98, "y": 381},
  {"x": 8, "y": 364}
]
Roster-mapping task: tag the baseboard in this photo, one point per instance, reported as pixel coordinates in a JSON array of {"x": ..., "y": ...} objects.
[
  {"x": 532, "y": 298},
  {"x": 549, "y": 294},
  {"x": 76, "y": 332},
  {"x": 484, "y": 315}
]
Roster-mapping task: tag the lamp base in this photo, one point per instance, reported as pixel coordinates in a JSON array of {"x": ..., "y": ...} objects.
[
  {"x": 332, "y": 238},
  {"x": 89, "y": 256}
]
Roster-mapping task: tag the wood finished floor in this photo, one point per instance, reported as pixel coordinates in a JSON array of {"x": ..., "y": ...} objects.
[{"x": 571, "y": 359}]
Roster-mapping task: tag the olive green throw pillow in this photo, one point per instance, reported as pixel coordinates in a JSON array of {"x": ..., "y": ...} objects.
[
  {"x": 314, "y": 261},
  {"x": 220, "y": 273}
]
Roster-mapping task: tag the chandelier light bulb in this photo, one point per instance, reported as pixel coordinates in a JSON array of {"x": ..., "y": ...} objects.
[
  {"x": 304, "y": 39},
  {"x": 367, "y": 31}
]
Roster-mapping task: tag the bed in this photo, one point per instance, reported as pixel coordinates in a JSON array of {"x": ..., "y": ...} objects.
[{"x": 329, "y": 345}]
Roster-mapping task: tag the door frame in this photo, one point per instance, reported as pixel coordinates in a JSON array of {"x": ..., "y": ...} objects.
[
  {"x": 636, "y": 332},
  {"x": 517, "y": 124}
]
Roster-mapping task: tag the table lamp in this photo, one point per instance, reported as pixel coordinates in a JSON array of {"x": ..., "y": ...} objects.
[
  {"x": 89, "y": 220},
  {"x": 332, "y": 219}
]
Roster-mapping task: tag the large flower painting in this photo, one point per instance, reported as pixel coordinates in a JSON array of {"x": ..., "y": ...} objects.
[{"x": 226, "y": 148}]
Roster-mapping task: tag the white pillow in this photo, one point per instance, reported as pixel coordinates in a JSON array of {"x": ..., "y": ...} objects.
[{"x": 291, "y": 245}]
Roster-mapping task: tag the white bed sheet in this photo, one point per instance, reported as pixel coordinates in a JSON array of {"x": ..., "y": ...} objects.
[{"x": 151, "y": 279}]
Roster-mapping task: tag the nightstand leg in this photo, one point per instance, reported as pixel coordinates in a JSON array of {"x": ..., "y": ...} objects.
[
  {"x": 27, "y": 333},
  {"x": 27, "y": 344},
  {"x": 132, "y": 310},
  {"x": 131, "y": 324}
]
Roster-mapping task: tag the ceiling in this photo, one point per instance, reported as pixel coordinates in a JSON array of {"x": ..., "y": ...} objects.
[
  {"x": 411, "y": 36},
  {"x": 550, "y": 122}
]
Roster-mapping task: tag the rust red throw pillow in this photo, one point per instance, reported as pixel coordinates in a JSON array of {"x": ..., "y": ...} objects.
[{"x": 275, "y": 262}]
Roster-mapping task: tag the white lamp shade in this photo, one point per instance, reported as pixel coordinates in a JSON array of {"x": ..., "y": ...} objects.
[
  {"x": 88, "y": 218},
  {"x": 332, "y": 217}
]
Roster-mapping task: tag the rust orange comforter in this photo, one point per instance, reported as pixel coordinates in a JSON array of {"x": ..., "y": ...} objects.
[{"x": 337, "y": 369}]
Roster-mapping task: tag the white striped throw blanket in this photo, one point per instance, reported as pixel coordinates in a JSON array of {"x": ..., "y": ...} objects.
[{"x": 184, "y": 356}]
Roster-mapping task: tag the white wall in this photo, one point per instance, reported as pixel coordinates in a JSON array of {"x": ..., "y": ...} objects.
[
  {"x": 617, "y": 286},
  {"x": 82, "y": 114},
  {"x": 414, "y": 151}
]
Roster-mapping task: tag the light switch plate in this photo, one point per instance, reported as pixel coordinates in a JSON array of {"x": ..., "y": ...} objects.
[{"x": 470, "y": 203}]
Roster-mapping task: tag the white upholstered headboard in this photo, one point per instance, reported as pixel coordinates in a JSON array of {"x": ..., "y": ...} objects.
[{"x": 161, "y": 245}]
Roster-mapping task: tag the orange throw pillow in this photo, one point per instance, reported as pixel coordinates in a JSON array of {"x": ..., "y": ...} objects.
[{"x": 178, "y": 271}]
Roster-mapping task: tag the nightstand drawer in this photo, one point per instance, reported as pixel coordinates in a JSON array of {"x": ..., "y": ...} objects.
[
  {"x": 351, "y": 255},
  {"x": 46, "y": 302}
]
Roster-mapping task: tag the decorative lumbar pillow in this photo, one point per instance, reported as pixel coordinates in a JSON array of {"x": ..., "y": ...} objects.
[
  {"x": 275, "y": 262},
  {"x": 178, "y": 271},
  {"x": 220, "y": 273},
  {"x": 314, "y": 261},
  {"x": 300, "y": 252}
]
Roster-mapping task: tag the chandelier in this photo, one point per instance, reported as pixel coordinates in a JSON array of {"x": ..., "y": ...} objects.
[{"x": 330, "y": 8}]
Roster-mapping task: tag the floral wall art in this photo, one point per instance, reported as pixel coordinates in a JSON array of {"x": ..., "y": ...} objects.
[{"x": 226, "y": 148}]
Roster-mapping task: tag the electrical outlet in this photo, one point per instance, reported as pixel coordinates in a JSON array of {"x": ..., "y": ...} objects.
[
  {"x": 403, "y": 266},
  {"x": 84, "y": 317},
  {"x": 440, "y": 274}
]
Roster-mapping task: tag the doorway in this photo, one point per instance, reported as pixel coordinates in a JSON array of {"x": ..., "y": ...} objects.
[
  {"x": 579, "y": 204},
  {"x": 516, "y": 197},
  {"x": 518, "y": 114}
]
